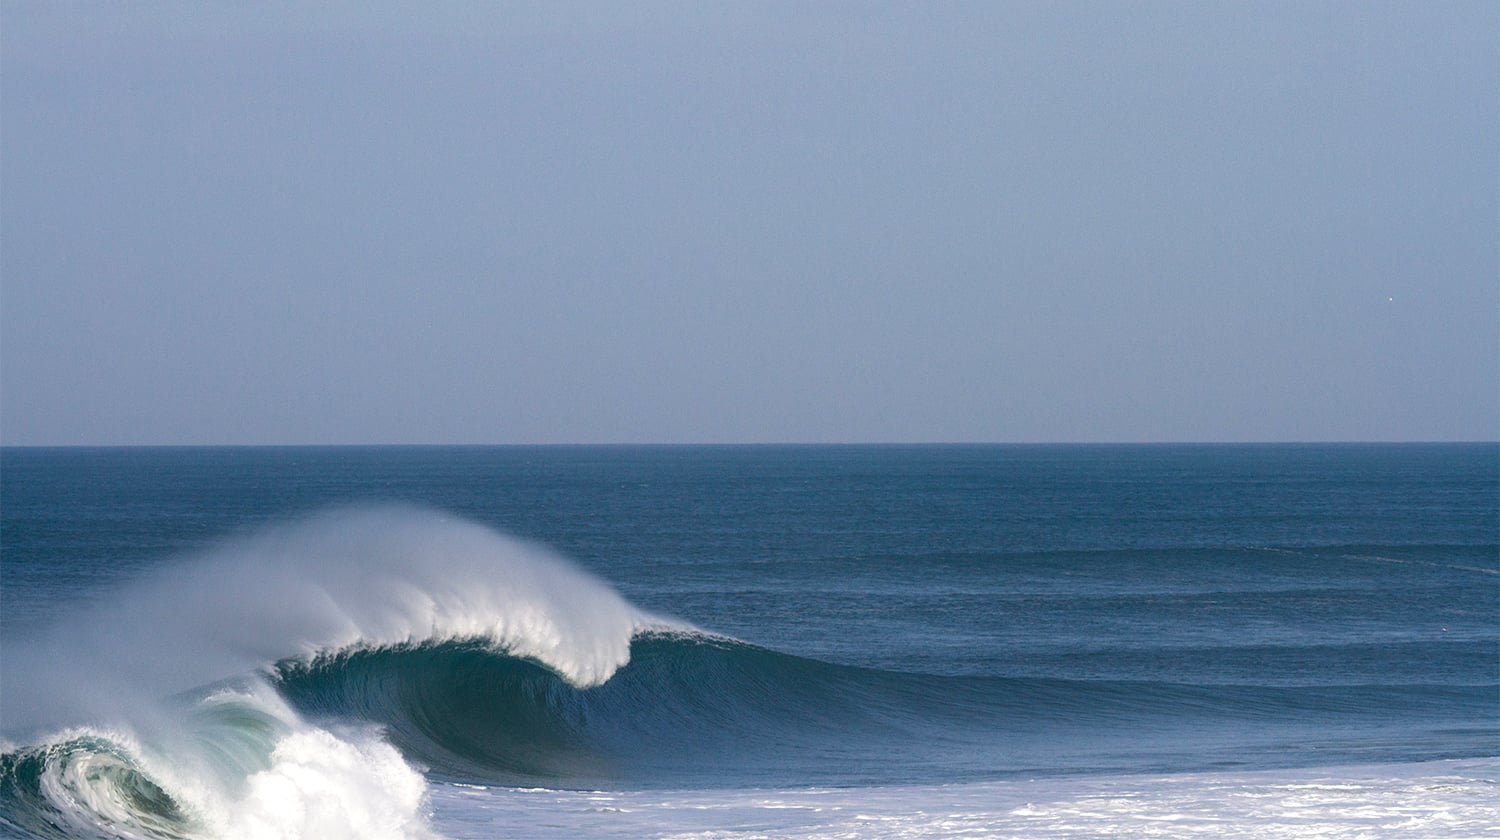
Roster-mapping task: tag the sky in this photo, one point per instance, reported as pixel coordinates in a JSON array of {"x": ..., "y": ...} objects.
[{"x": 371, "y": 223}]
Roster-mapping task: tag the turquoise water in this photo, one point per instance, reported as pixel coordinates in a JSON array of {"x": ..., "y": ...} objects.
[{"x": 728, "y": 619}]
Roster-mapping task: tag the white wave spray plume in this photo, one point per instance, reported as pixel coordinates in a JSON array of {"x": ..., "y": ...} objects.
[{"x": 237, "y": 760}]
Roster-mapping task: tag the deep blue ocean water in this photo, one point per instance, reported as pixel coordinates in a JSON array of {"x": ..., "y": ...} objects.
[{"x": 724, "y": 619}]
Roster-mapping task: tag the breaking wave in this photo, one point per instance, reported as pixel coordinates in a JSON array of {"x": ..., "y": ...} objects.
[
  {"x": 155, "y": 714},
  {"x": 309, "y": 680}
]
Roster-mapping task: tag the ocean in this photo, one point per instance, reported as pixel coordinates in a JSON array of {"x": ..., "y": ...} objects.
[{"x": 751, "y": 641}]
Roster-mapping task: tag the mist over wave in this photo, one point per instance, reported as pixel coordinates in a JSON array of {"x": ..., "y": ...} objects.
[
  {"x": 164, "y": 722},
  {"x": 369, "y": 577}
]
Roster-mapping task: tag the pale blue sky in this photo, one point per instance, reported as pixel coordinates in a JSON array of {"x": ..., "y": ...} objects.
[{"x": 698, "y": 222}]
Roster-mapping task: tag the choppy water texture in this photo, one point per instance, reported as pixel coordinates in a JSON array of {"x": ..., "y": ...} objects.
[{"x": 773, "y": 641}]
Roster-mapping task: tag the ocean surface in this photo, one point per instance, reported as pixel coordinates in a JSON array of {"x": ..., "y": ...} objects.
[{"x": 756, "y": 641}]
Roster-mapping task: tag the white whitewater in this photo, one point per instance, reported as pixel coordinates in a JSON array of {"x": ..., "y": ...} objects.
[
  {"x": 1454, "y": 800},
  {"x": 239, "y": 766}
]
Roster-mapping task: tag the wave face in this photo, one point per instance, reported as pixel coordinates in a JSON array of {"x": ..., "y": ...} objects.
[{"x": 702, "y": 710}]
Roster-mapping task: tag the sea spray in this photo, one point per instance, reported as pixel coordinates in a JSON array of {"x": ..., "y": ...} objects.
[
  {"x": 355, "y": 578},
  {"x": 150, "y": 715}
]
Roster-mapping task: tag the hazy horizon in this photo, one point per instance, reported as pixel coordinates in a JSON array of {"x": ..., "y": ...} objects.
[
  {"x": 772, "y": 444},
  {"x": 480, "y": 224}
]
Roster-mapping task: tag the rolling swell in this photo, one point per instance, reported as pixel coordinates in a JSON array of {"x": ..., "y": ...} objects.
[{"x": 710, "y": 710}]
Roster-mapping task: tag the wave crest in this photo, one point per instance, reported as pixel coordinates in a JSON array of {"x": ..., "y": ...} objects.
[
  {"x": 351, "y": 579},
  {"x": 184, "y": 738}
]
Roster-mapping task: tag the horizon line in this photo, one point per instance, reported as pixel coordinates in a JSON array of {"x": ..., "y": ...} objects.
[{"x": 745, "y": 444}]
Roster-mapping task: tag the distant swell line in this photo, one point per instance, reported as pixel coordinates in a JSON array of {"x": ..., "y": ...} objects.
[{"x": 1375, "y": 558}]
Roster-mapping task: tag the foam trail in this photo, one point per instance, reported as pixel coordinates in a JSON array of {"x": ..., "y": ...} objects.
[
  {"x": 370, "y": 577},
  {"x": 1449, "y": 800}
]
